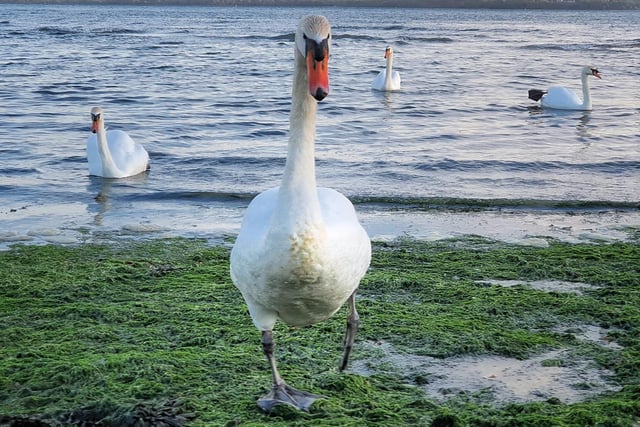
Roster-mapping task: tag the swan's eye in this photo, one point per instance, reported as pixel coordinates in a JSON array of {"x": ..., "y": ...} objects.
[
  {"x": 95, "y": 117},
  {"x": 304, "y": 36}
]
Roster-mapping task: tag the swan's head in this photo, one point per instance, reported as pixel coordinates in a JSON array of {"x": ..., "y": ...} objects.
[
  {"x": 313, "y": 40},
  {"x": 388, "y": 52},
  {"x": 588, "y": 70},
  {"x": 96, "y": 118}
]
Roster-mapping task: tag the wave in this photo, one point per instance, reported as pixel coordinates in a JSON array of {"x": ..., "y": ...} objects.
[
  {"x": 471, "y": 204},
  {"x": 347, "y": 36},
  {"x": 209, "y": 196},
  {"x": 562, "y": 47},
  {"x": 630, "y": 44},
  {"x": 427, "y": 39},
  {"x": 10, "y": 171},
  {"x": 621, "y": 167},
  {"x": 392, "y": 27},
  {"x": 399, "y": 203},
  {"x": 574, "y": 47},
  {"x": 112, "y": 31},
  {"x": 236, "y": 161},
  {"x": 286, "y": 37},
  {"x": 64, "y": 31},
  {"x": 261, "y": 133},
  {"x": 614, "y": 167},
  {"x": 58, "y": 31}
]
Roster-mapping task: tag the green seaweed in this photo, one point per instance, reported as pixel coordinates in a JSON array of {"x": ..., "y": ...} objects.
[{"x": 155, "y": 330}]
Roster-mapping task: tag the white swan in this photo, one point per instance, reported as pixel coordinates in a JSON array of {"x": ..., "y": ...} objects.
[
  {"x": 387, "y": 79},
  {"x": 113, "y": 154},
  {"x": 301, "y": 251},
  {"x": 561, "y": 98}
]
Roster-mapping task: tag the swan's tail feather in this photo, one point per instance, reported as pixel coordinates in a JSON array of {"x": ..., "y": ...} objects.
[{"x": 536, "y": 94}]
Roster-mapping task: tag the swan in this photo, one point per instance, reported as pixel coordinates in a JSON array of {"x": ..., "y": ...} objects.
[
  {"x": 561, "y": 98},
  {"x": 113, "y": 154},
  {"x": 387, "y": 79},
  {"x": 300, "y": 252}
]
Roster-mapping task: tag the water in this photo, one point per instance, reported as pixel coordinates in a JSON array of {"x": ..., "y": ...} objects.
[{"x": 206, "y": 90}]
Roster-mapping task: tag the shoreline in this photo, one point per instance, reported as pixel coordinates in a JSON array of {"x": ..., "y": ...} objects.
[
  {"x": 217, "y": 224},
  {"x": 429, "y": 4}
]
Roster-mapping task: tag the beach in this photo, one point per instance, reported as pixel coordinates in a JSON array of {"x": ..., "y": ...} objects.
[{"x": 465, "y": 331}]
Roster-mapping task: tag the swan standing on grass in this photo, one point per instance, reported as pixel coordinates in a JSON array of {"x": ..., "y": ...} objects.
[
  {"x": 387, "y": 79},
  {"x": 301, "y": 251},
  {"x": 561, "y": 98},
  {"x": 113, "y": 154}
]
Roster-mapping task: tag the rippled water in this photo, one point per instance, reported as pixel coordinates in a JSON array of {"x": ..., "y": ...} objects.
[{"x": 206, "y": 91}]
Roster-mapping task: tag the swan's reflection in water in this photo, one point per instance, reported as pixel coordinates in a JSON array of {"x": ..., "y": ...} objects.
[
  {"x": 387, "y": 100},
  {"x": 385, "y": 97},
  {"x": 559, "y": 118},
  {"x": 106, "y": 188},
  {"x": 582, "y": 128}
]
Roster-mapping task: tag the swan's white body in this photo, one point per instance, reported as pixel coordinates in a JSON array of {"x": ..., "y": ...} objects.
[
  {"x": 299, "y": 256},
  {"x": 301, "y": 251},
  {"x": 113, "y": 154},
  {"x": 387, "y": 79},
  {"x": 561, "y": 98}
]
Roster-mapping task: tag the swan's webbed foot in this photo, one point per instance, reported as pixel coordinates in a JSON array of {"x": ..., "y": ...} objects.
[{"x": 283, "y": 394}]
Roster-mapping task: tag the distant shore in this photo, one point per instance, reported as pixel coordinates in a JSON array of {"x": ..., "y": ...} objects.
[{"x": 470, "y": 4}]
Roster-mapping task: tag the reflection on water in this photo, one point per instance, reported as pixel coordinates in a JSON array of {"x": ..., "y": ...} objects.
[
  {"x": 561, "y": 118},
  {"x": 106, "y": 188},
  {"x": 582, "y": 130},
  {"x": 101, "y": 186},
  {"x": 386, "y": 97}
]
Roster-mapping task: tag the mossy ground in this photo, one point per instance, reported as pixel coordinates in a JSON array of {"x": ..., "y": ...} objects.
[{"x": 156, "y": 330}]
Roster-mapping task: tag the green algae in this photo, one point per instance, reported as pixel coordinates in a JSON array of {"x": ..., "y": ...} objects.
[{"x": 97, "y": 332}]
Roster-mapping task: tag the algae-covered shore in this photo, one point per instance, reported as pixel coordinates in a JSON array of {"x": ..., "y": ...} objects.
[{"x": 453, "y": 333}]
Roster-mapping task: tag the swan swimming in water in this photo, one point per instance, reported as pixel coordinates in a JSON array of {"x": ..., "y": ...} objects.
[
  {"x": 387, "y": 79},
  {"x": 301, "y": 251},
  {"x": 561, "y": 98},
  {"x": 113, "y": 154}
]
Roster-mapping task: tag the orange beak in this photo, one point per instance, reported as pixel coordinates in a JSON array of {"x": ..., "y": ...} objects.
[
  {"x": 94, "y": 126},
  {"x": 386, "y": 53},
  {"x": 318, "y": 70}
]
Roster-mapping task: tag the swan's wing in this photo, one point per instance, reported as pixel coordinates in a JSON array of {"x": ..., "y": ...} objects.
[
  {"x": 378, "y": 82},
  {"x": 130, "y": 157},
  {"x": 257, "y": 218},
  {"x": 395, "y": 80},
  {"x": 336, "y": 209},
  {"x": 247, "y": 250},
  {"x": 351, "y": 247},
  {"x": 253, "y": 231},
  {"x": 561, "y": 98}
]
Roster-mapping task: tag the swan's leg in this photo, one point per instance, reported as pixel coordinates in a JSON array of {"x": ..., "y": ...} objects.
[
  {"x": 268, "y": 347},
  {"x": 352, "y": 327},
  {"x": 281, "y": 393}
]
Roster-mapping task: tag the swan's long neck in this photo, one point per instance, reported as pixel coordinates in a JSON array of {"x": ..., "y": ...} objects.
[
  {"x": 298, "y": 200},
  {"x": 387, "y": 80},
  {"x": 109, "y": 167},
  {"x": 586, "y": 92}
]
